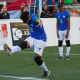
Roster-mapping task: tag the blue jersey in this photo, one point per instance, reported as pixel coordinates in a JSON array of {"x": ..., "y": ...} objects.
[
  {"x": 36, "y": 32},
  {"x": 62, "y": 19}
]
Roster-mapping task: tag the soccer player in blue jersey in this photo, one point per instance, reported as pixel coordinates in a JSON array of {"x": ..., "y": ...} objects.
[
  {"x": 63, "y": 31},
  {"x": 36, "y": 40}
]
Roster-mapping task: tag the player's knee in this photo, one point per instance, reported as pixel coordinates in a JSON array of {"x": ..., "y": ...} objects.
[
  {"x": 38, "y": 60},
  {"x": 68, "y": 43},
  {"x": 60, "y": 43},
  {"x": 23, "y": 45}
]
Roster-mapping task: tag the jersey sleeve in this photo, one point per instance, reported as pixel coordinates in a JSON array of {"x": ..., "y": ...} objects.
[
  {"x": 35, "y": 19},
  {"x": 57, "y": 16},
  {"x": 68, "y": 15}
]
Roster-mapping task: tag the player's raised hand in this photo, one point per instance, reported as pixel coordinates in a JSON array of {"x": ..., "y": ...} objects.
[{"x": 40, "y": 23}]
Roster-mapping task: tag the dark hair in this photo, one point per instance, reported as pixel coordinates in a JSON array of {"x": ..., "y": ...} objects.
[
  {"x": 60, "y": 5},
  {"x": 24, "y": 16},
  {"x": 78, "y": 0}
]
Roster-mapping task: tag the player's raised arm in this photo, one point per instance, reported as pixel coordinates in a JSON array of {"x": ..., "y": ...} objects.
[{"x": 39, "y": 23}]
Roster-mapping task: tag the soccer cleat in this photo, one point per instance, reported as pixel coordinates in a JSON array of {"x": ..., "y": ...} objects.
[
  {"x": 60, "y": 57},
  {"x": 67, "y": 58},
  {"x": 7, "y": 49},
  {"x": 46, "y": 73}
]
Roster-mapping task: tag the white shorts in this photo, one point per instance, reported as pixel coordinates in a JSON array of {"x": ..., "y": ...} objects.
[
  {"x": 62, "y": 35},
  {"x": 38, "y": 45}
]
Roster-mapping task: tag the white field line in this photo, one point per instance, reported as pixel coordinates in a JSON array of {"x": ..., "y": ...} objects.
[
  {"x": 15, "y": 77},
  {"x": 26, "y": 52},
  {"x": 69, "y": 54},
  {"x": 21, "y": 51},
  {"x": 33, "y": 52}
]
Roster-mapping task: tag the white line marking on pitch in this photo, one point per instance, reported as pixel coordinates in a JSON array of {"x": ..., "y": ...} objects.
[
  {"x": 69, "y": 54},
  {"x": 33, "y": 52},
  {"x": 21, "y": 51},
  {"x": 31, "y": 78},
  {"x": 26, "y": 52}
]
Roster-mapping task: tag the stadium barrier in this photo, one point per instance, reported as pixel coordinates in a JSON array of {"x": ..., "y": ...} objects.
[
  {"x": 15, "y": 31},
  {"x": 50, "y": 28}
]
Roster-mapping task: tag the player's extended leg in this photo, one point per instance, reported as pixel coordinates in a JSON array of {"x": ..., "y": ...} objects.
[
  {"x": 17, "y": 48},
  {"x": 67, "y": 49},
  {"x": 41, "y": 63},
  {"x": 60, "y": 50}
]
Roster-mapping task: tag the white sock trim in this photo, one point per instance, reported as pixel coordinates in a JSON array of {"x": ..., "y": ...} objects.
[
  {"x": 43, "y": 67},
  {"x": 67, "y": 51},
  {"x": 61, "y": 51}
]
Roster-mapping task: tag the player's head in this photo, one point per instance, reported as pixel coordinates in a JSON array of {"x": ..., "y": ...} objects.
[
  {"x": 25, "y": 16},
  {"x": 60, "y": 6}
]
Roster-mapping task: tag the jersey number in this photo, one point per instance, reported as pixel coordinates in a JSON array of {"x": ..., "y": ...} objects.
[
  {"x": 61, "y": 21},
  {"x": 31, "y": 29}
]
